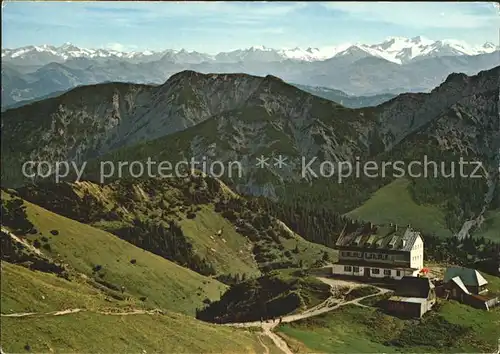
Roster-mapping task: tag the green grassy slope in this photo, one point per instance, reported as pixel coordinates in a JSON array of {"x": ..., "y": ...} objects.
[
  {"x": 230, "y": 251},
  {"x": 452, "y": 328},
  {"x": 89, "y": 332},
  {"x": 143, "y": 274},
  {"x": 24, "y": 290},
  {"x": 394, "y": 204},
  {"x": 93, "y": 333}
]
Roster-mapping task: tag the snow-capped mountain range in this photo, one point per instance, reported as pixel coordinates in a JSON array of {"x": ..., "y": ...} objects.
[{"x": 398, "y": 50}]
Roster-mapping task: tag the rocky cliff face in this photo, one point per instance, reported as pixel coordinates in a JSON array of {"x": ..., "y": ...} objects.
[{"x": 407, "y": 113}]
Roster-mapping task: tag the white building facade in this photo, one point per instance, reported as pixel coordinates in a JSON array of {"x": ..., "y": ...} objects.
[{"x": 390, "y": 255}]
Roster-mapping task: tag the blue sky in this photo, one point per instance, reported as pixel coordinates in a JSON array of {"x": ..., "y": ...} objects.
[{"x": 223, "y": 26}]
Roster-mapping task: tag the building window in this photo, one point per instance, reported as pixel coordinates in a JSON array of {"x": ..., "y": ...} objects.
[
  {"x": 355, "y": 269},
  {"x": 398, "y": 273},
  {"x": 375, "y": 271},
  {"x": 386, "y": 256},
  {"x": 342, "y": 253},
  {"x": 387, "y": 272},
  {"x": 348, "y": 254},
  {"x": 379, "y": 256},
  {"x": 347, "y": 268}
]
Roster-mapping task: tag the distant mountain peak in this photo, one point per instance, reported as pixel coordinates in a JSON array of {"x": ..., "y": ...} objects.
[
  {"x": 397, "y": 49},
  {"x": 272, "y": 78},
  {"x": 489, "y": 45},
  {"x": 258, "y": 47},
  {"x": 183, "y": 74},
  {"x": 455, "y": 77}
]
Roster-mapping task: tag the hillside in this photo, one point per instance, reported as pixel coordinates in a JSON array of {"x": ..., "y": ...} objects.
[
  {"x": 453, "y": 327},
  {"x": 117, "y": 296},
  {"x": 394, "y": 203},
  {"x": 52, "y": 264},
  {"x": 99, "y": 326},
  {"x": 196, "y": 222},
  {"x": 104, "y": 259},
  {"x": 64, "y": 274},
  {"x": 489, "y": 227}
]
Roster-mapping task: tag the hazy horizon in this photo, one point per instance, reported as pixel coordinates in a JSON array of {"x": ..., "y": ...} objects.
[{"x": 213, "y": 27}]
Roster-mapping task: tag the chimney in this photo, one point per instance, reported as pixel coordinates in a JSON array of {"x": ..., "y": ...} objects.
[{"x": 395, "y": 227}]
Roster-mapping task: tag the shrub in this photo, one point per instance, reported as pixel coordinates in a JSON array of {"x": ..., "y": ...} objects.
[
  {"x": 45, "y": 239},
  {"x": 97, "y": 268},
  {"x": 37, "y": 243},
  {"x": 54, "y": 232},
  {"x": 230, "y": 215},
  {"x": 14, "y": 215},
  {"x": 133, "y": 261}
]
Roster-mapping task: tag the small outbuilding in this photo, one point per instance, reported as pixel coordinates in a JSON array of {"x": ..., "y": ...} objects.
[
  {"x": 467, "y": 286},
  {"x": 414, "y": 296},
  {"x": 467, "y": 278}
]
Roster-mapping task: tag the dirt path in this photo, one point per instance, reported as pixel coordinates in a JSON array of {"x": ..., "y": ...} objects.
[
  {"x": 329, "y": 304},
  {"x": 277, "y": 340},
  {"x": 266, "y": 349},
  {"x": 70, "y": 311}
]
